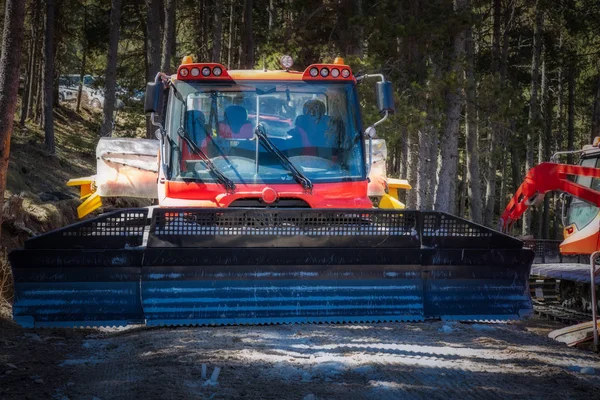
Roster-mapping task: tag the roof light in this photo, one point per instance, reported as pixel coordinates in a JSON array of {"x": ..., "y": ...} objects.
[
  {"x": 328, "y": 72},
  {"x": 286, "y": 61},
  {"x": 339, "y": 61},
  {"x": 203, "y": 71},
  {"x": 596, "y": 141},
  {"x": 187, "y": 60}
]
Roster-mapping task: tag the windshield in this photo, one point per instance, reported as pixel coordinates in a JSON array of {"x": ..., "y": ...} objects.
[
  {"x": 316, "y": 128},
  {"x": 581, "y": 213}
]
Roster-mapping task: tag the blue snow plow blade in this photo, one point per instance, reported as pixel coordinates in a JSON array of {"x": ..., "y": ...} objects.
[{"x": 264, "y": 266}]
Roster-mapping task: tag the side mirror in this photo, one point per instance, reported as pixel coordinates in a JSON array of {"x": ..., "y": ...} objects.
[
  {"x": 154, "y": 97},
  {"x": 385, "y": 97}
]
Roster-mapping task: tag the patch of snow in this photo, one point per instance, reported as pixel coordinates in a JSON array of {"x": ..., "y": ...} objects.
[
  {"x": 80, "y": 361},
  {"x": 483, "y": 327},
  {"x": 365, "y": 370},
  {"x": 330, "y": 368},
  {"x": 587, "y": 371}
]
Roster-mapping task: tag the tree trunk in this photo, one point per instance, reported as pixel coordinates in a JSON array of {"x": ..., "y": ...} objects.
[
  {"x": 411, "y": 168},
  {"x": 462, "y": 192},
  {"x": 217, "y": 34},
  {"x": 83, "y": 60},
  {"x": 32, "y": 70},
  {"x": 596, "y": 112},
  {"x": 49, "y": 78},
  {"x": 206, "y": 32},
  {"x": 153, "y": 49},
  {"x": 168, "y": 36},
  {"x": 548, "y": 106},
  {"x": 534, "y": 111},
  {"x": 558, "y": 145},
  {"x": 111, "y": 69},
  {"x": 10, "y": 58},
  {"x": 471, "y": 134},
  {"x": 230, "y": 36},
  {"x": 446, "y": 187},
  {"x": 81, "y": 76},
  {"x": 540, "y": 151},
  {"x": 271, "y": 12},
  {"x": 39, "y": 97},
  {"x": 29, "y": 76},
  {"x": 497, "y": 7},
  {"x": 402, "y": 161},
  {"x": 571, "y": 112},
  {"x": 490, "y": 187},
  {"x": 248, "y": 41}
]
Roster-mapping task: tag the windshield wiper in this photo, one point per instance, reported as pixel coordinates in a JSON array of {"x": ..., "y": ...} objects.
[
  {"x": 298, "y": 176},
  {"x": 183, "y": 134},
  {"x": 225, "y": 181}
]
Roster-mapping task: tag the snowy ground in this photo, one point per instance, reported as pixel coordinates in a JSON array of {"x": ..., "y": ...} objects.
[{"x": 380, "y": 361}]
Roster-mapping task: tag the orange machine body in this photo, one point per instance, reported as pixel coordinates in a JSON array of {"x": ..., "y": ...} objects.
[{"x": 352, "y": 194}]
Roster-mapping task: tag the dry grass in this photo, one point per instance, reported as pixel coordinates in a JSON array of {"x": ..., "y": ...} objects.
[
  {"x": 32, "y": 172},
  {"x": 6, "y": 281}
]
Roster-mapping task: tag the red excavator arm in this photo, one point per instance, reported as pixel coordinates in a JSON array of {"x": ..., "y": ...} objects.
[{"x": 547, "y": 177}]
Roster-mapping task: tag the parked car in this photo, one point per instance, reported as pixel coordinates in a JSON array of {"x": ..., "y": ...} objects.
[{"x": 92, "y": 92}]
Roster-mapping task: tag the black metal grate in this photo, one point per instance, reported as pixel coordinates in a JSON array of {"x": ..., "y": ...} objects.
[
  {"x": 443, "y": 225},
  {"x": 117, "y": 229},
  {"x": 441, "y": 230},
  {"x": 336, "y": 225}
]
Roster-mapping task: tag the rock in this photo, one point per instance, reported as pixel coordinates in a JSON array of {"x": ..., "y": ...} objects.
[
  {"x": 34, "y": 377},
  {"x": 8, "y": 371},
  {"x": 54, "y": 196},
  {"x": 446, "y": 329},
  {"x": 53, "y": 338},
  {"x": 11, "y": 366},
  {"x": 309, "y": 397},
  {"x": 306, "y": 377},
  {"x": 587, "y": 371},
  {"x": 39, "y": 381},
  {"x": 33, "y": 337}
]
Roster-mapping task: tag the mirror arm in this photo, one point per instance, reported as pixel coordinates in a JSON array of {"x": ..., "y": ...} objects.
[
  {"x": 366, "y": 76},
  {"x": 382, "y": 119}
]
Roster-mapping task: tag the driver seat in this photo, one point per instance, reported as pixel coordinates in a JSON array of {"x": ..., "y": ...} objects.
[{"x": 236, "y": 124}]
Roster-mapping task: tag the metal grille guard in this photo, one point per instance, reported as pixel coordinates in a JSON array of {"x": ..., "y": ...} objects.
[{"x": 255, "y": 266}]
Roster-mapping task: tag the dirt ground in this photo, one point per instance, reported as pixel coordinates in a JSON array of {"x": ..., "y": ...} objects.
[{"x": 375, "y": 361}]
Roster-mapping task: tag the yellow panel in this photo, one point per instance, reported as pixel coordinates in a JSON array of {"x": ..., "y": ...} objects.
[
  {"x": 398, "y": 183},
  {"x": 85, "y": 186},
  {"x": 395, "y": 184},
  {"x": 87, "y": 180},
  {"x": 92, "y": 203},
  {"x": 389, "y": 202}
]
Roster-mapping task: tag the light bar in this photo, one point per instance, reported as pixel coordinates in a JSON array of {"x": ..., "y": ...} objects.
[
  {"x": 202, "y": 72},
  {"x": 328, "y": 72}
]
